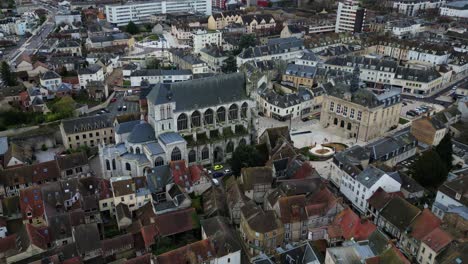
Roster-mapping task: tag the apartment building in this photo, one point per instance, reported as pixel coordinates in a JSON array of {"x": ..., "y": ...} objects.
[
  {"x": 132, "y": 192},
  {"x": 455, "y": 9},
  {"x": 154, "y": 76},
  {"x": 87, "y": 131},
  {"x": 350, "y": 17},
  {"x": 203, "y": 38},
  {"x": 414, "y": 7},
  {"x": 93, "y": 73},
  {"x": 141, "y": 11}
]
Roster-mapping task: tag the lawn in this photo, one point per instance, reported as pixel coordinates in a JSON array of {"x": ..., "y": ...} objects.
[
  {"x": 153, "y": 37},
  {"x": 403, "y": 121}
]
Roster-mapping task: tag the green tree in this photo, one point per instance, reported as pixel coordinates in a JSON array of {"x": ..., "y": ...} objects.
[
  {"x": 8, "y": 77},
  {"x": 445, "y": 150},
  {"x": 42, "y": 19},
  {"x": 429, "y": 169},
  {"x": 153, "y": 63},
  {"x": 245, "y": 156},
  {"x": 247, "y": 41},
  {"x": 132, "y": 28},
  {"x": 229, "y": 65},
  {"x": 64, "y": 106}
]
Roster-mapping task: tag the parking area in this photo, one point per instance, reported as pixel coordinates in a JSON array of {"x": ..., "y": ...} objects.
[
  {"x": 120, "y": 105},
  {"x": 418, "y": 108}
]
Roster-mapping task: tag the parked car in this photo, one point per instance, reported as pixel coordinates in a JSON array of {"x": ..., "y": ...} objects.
[
  {"x": 113, "y": 100},
  {"x": 124, "y": 108},
  {"x": 227, "y": 172},
  {"x": 217, "y": 167},
  {"x": 411, "y": 113},
  {"x": 119, "y": 108},
  {"x": 405, "y": 103},
  {"x": 218, "y": 175}
]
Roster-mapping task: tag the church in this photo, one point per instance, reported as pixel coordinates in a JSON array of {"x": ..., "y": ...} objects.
[{"x": 201, "y": 121}]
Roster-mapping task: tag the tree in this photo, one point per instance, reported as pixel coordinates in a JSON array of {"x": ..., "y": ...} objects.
[
  {"x": 153, "y": 63},
  {"x": 245, "y": 156},
  {"x": 445, "y": 150},
  {"x": 247, "y": 41},
  {"x": 229, "y": 65},
  {"x": 8, "y": 77},
  {"x": 429, "y": 169},
  {"x": 42, "y": 19},
  {"x": 132, "y": 28}
]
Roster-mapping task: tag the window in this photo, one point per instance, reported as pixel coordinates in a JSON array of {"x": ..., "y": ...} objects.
[
  {"x": 108, "y": 167},
  {"x": 192, "y": 156},
  {"x": 244, "y": 109},
  {"x": 182, "y": 122},
  {"x": 104, "y": 204},
  {"x": 113, "y": 164},
  {"x": 338, "y": 108},
  {"x": 77, "y": 137},
  {"x": 176, "y": 154},
  {"x": 430, "y": 256},
  {"x": 233, "y": 112},
  {"x": 196, "y": 119},
  {"x": 345, "y": 110},
  {"x": 230, "y": 147},
  {"x": 205, "y": 153},
  {"x": 158, "y": 162},
  {"x": 128, "y": 167},
  {"x": 332, "y": 106},
  {"x": 359, "y": 115},
  {"x": 221, "y": 114}
]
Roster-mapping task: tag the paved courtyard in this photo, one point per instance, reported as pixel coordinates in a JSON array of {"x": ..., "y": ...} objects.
[
  {"x": 49, "y": 154},
  {"x": 306, "y": 133}
]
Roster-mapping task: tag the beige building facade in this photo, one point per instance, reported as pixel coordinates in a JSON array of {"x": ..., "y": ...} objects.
[{"x": 87, "y": 131}]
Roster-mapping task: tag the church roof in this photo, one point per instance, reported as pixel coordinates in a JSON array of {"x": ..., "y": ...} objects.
[
  {"x": 199, "y": 93},
  {"x": 142, "y": 132}
]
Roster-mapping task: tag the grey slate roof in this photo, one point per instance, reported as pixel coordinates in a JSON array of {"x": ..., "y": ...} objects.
[
  {"x": 87, "y": 238},
  {"x": 68, "y": 44},
  {"x": 142, "y": 132},
  {"x": 3, "y": 145},
  {"x": 390, "y": 145},
  {"x": 199, "y": 93},
  {"x": 301, "y": 70},
  {"x": 369, "y": 176},
  {"x": 158, "y": 178},
  {"x": 126, "y": 127},
  {"x": 50, "y": 75},
  {"x": 92, "y": 69},
  {"x": 170, "y": 137},
  {"x": 274, "y": 47},
  {"x": 154, "y": 148},
  {"x": 286, "y": 100},
  {"x": 417, "y": 75},
  {"x": 86, "y": 123},
  {"x": 159, "y": 72}
]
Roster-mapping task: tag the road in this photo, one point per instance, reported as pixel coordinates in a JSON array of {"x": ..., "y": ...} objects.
[
  {"x": 432, "y": 99},
  {"x": 36, "y": 40},
  {"x": 113, "y": 108}
]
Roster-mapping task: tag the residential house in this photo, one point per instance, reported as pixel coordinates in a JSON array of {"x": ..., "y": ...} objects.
[
  {"x": 292, "y": 213},
  {"x": 16, "y": 156},
  {"x": 236, "y": 199},
  {"x": 347, "y": 225},
  {"x": 202, "y": 251},
  {"x": 176, "y": 222},
  {"x": 87, "y": 241},
  {"x": 429, "y": 131},
  {"x": 70, "y": 47},
  {"x": 295, "y": 31},
  {"x": 226, "y": 243},
  {"x": 130, "y": 191},
  {"x": 154, "y": 76},
  {"x": 214, "y": 56},
  {"x": 378, "y": 201},
  {"x": 32, "y": 206},
  {"x": 123, "y": 216},
  {"x": 51, "y": 80},
  {"x": 260, "y": 24},
  {"x": 396, "y": 216},
  {"x": 203, "y": 38},
  {"x": 188, "y": 61},
  {"x": 452, "y": 194},
  {"x": 393, "y": 149},
  {"x": 256, "y": 182},
  {"x": 299, "y": 75},
  {"x": 39, "y": 68},
  {"x": 86, "y": 131},
  {"x": 260, "y": 231},
  {"x": 432, "y": 245},
  {"x": 117, "y": 247},
  {"x": 93, "y": 72},
  {"x": 23, "y": 63}
]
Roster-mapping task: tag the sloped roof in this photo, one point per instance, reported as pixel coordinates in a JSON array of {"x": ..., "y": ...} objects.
[
  {"x": 199, "y": 252},
  {"x": 38, "y": 236},
  {"x": 437, "y": 239},
  {"x": 380, "y": 198},
  {"x": 292, "y": 209},
  {"x": 142, "y": 132},
  {"x": 72, "y": 160},
  {"x": 256, "y": 175},
  {"x": 176, "y": 222},
  {"x": 126, "y": 127},
  {"x": 400, "y": 213},
  {"x": 348, "y": 224},
  {"x": 424, "y": 224},
  {"x": 200, "y": 93}
]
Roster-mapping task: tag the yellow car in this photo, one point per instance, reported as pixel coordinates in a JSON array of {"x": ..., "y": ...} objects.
[{"x": 217, "y": 167}]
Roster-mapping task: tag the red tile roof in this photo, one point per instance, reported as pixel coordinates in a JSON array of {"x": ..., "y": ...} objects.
[
  {"x": 148, "y": 233},
  {"x": 437, "y": 239},
  {"x": 180, "y": 173},
  {"x": 31, "y": 202},
  {"x": 424, "y": 224},
  {"x": 176, "y": 222},
  {"x": 144, "y": 259},
  {"x": 104, "y": 189},
  {"x": 8, "y": 243},
  {"x": 38, "y": 236},
  {"x": 38, "y": 63},
  {"x": 350, "y": 225},
  {"x": 320, "y": 202},
  {"x": 198, "y": 252},
  {"x": 196, "y": 172},
  {"x": 380, "y": 198},
  {"x": 305, "y": 171},
  {"x": 75, "y": 260},
  {"x": 292, "y": 209}
]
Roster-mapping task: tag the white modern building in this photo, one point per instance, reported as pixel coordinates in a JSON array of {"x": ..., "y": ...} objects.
[
  {"x": 358, "y": 188},
  {"x": 455, "y": 9},
  {"x": 159, "y": 76},
  {"x": 203, "y": 38},
  {"x": 94, "y": 73},
  {"x": 413, "y": 7},
  {"x": 140, "y": 12},
  {"x": 350, "y": 17}
]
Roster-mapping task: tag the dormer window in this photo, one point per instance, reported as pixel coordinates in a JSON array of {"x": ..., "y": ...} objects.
[{"x": 458, "y": 196}]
